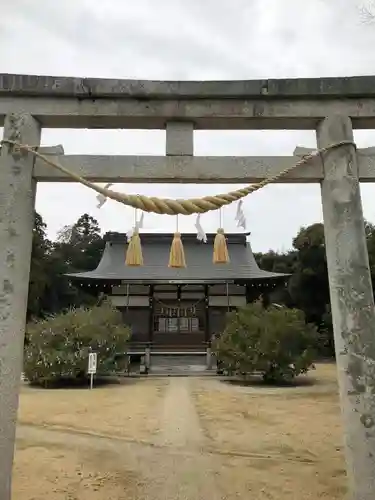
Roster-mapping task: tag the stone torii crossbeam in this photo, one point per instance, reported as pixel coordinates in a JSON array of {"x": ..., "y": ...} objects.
[{"x": 331, "y": 106}]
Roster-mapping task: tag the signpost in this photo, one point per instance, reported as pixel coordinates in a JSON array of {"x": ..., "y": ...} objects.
[{"x": 93, "y": 358}]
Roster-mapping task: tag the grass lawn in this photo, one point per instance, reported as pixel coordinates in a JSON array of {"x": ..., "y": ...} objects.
[
  {"x": 292, "y": 437},
  {"x": 134, "y": 441}
]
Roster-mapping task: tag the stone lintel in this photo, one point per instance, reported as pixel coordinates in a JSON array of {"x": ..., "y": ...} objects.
[
  {"x": 89, "y": 88},
  {"x": 193, "y": 169},
  {"x": 176, "y": 169},
  {"x": 206, "y": 114}
]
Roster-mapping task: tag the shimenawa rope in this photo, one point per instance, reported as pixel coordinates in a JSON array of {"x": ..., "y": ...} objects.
[{"x": 174, "y": 207}]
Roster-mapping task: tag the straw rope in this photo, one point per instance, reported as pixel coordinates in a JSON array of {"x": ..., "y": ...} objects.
[{"x": 178, "y": 206}]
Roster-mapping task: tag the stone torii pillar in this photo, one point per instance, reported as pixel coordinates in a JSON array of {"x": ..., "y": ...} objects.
[
  {"x": 17, "y": 196},
  {"x": 352, "y": 303}
]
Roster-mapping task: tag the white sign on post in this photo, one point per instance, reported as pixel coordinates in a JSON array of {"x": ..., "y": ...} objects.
[
  {"x": 92, "y": 362},
  {"x": 93, "y": 359}
]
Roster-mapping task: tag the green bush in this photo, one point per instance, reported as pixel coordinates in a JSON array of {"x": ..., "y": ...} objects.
[
  {"x": 276, "y": 342},
  {"x": 58, "y": 347}
]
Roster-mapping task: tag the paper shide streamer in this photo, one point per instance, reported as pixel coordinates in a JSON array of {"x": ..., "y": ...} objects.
[
  {"x": 240, "y": 216},
  {"x": 101, "y": 198},
  {"x": 201, "y": 235}
]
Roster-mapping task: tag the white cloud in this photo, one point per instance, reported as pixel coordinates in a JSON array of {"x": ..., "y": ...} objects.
[{"x": 176, "y": 39}]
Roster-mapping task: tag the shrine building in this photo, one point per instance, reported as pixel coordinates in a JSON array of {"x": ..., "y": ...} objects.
[{"x": 178, "y": 309}]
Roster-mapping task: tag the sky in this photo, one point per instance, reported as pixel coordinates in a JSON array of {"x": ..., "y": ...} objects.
[{"x": 189, "y": 40}]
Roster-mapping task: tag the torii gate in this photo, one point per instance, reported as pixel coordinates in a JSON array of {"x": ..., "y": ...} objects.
[{"x": 331, "y": 106}]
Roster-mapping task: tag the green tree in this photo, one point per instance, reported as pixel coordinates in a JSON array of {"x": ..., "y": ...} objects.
[
  {"x": 308, "y": 286},
  {"x": 78, "y": 248},
  {"x": 275, "y": 341},
  {"x": 39, "y": 272},
  {"x": 81, "y": 244},
  {"x": 59, "y": 345},
  {"x": 277, "y": 262}
]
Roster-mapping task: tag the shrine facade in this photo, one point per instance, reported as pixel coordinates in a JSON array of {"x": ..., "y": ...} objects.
[{"x": 178, "y": 308}]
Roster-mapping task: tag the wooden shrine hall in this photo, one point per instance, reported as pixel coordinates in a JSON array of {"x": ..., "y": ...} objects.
[{"x": 178, "y": 308}]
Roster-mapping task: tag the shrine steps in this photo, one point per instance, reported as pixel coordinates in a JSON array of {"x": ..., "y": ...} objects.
[{"x": 179, "y": 365}]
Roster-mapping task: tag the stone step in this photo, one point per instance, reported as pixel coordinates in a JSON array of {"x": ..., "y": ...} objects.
[
  {"x": 172, "y": 359},
  {"x": 176, "y": 369},
  {"x": 179, "y": 350},
  {"x": 183, "y": 365},
  {"x": 175, "y": 373}
]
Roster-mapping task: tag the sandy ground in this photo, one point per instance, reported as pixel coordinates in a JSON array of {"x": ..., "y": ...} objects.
[{"x": 181, "y": 438}]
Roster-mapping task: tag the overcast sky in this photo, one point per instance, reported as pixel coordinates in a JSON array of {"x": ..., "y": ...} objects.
[{"x": 187, "y": 40}]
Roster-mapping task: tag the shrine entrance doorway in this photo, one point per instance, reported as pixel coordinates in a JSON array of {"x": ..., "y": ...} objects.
[{"x": 179, "y": 323}]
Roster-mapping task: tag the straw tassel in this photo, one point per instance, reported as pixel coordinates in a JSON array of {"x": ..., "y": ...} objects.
[
  {"x": 221, "y": 255},
  {"x": 134, "y": 256},
  {"x": 177, "y": 254}
]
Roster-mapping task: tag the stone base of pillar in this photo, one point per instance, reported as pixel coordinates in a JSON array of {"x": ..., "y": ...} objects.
[{"x": 147, "y": 359}]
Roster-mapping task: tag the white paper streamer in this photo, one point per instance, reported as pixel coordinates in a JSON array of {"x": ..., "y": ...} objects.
[
  {"x": 240, "y": 216},
  {"x": 101, "y": 198},
  {"x": 201, "y": 235},
  {"x": 140, "y": 222}
]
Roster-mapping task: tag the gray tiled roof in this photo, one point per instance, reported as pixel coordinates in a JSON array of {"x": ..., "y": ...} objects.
[{"x": 200, "y": 267}]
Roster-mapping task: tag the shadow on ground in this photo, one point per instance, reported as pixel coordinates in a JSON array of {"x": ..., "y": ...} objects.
[
  {"x": 257, "y": 381},
  {"x": 82, "y": 383}
]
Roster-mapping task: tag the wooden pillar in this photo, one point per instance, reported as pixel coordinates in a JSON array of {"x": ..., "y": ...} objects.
[
  {"x": 266, "y": 301},
  {"x": 178, "y": 292},
  {"x": 352, "y": 302},
  {"x": 207, "y": 335},
  {"x": 151, "y": 314},
  {"x": 250, "y": 295},
  {"x": 17, "y": 196}
]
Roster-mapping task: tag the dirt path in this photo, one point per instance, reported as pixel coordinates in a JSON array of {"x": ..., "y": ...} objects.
[
  {"x": 181, "y": 426},
  {"x": 191, "y": 476}
]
